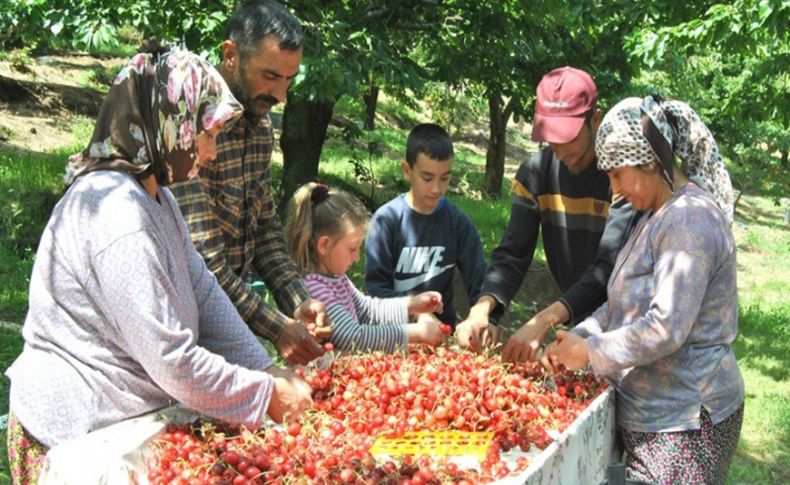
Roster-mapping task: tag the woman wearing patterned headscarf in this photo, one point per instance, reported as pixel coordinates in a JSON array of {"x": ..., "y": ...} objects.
[
  {"x": 124, "y": 316},
  {"x": 663, "y": 339}
]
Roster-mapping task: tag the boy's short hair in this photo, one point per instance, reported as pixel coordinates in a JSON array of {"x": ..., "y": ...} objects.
[{"x": 430, "y": 139}]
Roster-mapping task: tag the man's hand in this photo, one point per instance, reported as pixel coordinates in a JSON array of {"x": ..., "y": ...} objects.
[
  {"x": 291, "y": 395},
  {"x": 475, "y": 332},
  {"x": 525, "y": 343},
  {"x": 570, "y": 350},
  {"x": 312, "y": 310},
  {"x": 296, "y": 345}
]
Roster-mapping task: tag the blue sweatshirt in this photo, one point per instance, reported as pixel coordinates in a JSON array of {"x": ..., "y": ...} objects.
[{"x": 408, "y": 252}]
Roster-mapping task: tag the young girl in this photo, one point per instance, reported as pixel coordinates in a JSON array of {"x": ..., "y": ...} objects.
[{"x": 325, "y": 230}]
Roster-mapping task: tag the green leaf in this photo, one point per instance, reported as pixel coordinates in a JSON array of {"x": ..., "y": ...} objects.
[
  {"x": 765, "y": 10},
  {"x": 356, "y": 35}
]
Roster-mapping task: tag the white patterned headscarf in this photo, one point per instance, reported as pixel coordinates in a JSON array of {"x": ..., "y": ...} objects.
[{"x": 638, "y": 131}]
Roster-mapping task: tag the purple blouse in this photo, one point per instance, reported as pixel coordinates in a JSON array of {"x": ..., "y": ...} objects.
[
  {"x": 663, "y": 339},
  {"x": 125, "y": 318}
]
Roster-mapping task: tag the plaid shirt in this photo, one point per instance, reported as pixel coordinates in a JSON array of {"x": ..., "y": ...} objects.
[{"x": 233, "y": 222}]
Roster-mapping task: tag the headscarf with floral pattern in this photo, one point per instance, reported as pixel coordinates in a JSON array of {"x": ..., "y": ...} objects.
[{"x": 149, "y": 122}]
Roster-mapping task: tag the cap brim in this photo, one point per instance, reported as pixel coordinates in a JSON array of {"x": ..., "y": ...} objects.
[{"x": 556, "y": 129}]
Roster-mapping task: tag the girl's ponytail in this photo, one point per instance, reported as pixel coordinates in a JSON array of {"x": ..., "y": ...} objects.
[
  {"x": 315, "y": 210},
  {"x": 299, "y": 227}
]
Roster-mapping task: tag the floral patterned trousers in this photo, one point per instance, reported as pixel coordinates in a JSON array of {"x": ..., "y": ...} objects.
[
  {"x": 25, "y": 453},
  {"x": 700, "y": 456}
]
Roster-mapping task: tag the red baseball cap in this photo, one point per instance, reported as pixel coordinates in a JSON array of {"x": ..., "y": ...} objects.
[{"x": 565, "y": 96}]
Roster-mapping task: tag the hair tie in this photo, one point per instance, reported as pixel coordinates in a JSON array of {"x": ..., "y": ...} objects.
[{"x": 319, "y": 194}]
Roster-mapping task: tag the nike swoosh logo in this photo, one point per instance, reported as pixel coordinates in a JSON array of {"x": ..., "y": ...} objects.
[{"x": 411, "y": 283}]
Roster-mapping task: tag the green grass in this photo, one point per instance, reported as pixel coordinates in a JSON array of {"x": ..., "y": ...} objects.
[
  {"x": 763, "y": 343},
  {"x": 762, "y": 348},
  {"x": 30, "y": 185},
  {"x": 10, "y": 347}
]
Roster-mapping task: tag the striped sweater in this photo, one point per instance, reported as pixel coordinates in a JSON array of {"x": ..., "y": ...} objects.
[
  {"x": 582, "y": 232},
  {"x": 360, "y": 322}
]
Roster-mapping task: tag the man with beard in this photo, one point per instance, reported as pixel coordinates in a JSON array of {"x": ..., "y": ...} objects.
[{"x": 230, "y": 208}]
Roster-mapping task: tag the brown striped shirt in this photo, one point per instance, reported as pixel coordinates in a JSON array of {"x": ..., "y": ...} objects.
[
  {"x": 232, "y": 218},
  {"x": 582, "y": 227}
]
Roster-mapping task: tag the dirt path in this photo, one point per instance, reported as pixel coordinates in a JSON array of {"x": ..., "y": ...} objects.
[
  {"x": 42, "y": 100},
  {"x": 537, "y": 291}
]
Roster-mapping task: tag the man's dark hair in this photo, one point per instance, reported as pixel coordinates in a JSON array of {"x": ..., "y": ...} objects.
[
  {"x": 254, "y": 20},
  {"x": 588, "y": 116},
  {"x": 430, "y": 139}
]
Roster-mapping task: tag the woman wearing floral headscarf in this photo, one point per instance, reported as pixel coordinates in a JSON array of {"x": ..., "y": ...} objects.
[
  {"x": 124, "y": 316},
  {"x": 663, "y": 339}
]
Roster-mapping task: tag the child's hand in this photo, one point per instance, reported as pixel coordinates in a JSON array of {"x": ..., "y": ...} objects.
[
  {"x": 320, "y": 332},
  {"x": 426, "y": 302},
  {"x": 427, "y": 330}
]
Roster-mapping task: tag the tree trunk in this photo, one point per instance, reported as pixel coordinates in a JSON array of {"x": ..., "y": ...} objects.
[
  {"x": 784, "y": 159},
  {"x": 303, "y": 134},
  {"x": 497, "y": 138},
  {"x": 371, "y": 98}
]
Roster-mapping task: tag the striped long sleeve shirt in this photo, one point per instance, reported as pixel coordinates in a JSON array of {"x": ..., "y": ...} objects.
[
  {"x": 583, "y": 228},
  {"x": 360, "y": 322},
  {"x": 233, "y": 222}
]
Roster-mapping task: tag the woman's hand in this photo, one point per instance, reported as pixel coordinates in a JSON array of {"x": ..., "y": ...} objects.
[
  {"x": 291, "y": 396},
  {"x": 426, "y": 302},
  {"x": 569, "y": 350}
]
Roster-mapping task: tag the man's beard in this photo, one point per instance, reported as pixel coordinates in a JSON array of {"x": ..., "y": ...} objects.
[{"x": 241, "y": 91}]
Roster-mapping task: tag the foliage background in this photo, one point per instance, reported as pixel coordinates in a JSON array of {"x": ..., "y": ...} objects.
[{"x": 729, "y": 60}]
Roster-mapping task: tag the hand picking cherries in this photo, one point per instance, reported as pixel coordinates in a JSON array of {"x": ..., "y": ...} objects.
[{"x": 361, "y": 397}]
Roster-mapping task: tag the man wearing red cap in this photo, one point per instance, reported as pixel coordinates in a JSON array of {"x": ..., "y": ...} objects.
[{"x": 559, "y": 192}]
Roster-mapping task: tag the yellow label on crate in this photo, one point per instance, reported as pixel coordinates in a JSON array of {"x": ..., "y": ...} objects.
[{"x": 446, "y": 443}]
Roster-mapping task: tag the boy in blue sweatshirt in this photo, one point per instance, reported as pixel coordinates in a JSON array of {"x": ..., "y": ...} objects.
[{"x": 416, "y": 240}]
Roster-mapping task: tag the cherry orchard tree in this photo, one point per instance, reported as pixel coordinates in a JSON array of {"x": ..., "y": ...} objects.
[
  {"x": 348, "y": 43},
  {"x": 733, "y": 60},
  {"x": 498, "y": 47},
  {"x": 94, "y": 25},
  {"x": 504, "y": 47}
]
